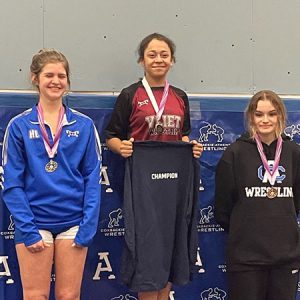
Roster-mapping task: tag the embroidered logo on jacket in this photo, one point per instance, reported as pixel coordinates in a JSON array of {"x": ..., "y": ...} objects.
[
  {"x": 72, "y": 133},
  {"x": 141, "y": 103},
  {"x": 33, "y": 134}
]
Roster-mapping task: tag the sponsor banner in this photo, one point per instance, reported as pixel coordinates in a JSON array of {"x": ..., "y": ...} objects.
[{"x": 215, "y": 129}]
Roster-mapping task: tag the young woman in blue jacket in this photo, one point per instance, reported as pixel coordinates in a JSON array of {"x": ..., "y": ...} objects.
[{"x": 51, "y": 161}]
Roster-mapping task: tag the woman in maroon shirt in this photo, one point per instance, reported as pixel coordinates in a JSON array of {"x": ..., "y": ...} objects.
[{"x": 151, "y": 109}]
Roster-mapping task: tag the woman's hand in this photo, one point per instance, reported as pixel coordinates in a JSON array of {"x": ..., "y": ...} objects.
[
  {"x": 126, "y": 147},
  {"x": 77, "y": 246},
  {"x": 37, "y": 247},
  {"x": 197, "y": 148}
]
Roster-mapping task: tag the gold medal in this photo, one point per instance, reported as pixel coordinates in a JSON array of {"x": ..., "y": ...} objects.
[
  {"x": 51, "y": 166},
  {"x": 272, "y": 192}
]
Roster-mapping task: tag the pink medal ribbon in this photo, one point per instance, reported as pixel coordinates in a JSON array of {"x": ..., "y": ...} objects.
[
  {"x": 51, "y": 166},
  {"x": 159, "y": 110},
  {"x": 274, "y": 170}
]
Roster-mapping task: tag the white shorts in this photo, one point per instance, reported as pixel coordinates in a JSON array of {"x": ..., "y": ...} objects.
[{"x": 69, "y": 234}]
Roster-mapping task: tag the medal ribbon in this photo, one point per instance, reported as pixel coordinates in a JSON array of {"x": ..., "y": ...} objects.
[
  {"x": 264, "y": 159},
  {"x": 51, "y": 150},
  {"x": 159, "y": 110}
]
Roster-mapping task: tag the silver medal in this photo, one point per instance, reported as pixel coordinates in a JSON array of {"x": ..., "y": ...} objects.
[{"x": 51, "y": 166}]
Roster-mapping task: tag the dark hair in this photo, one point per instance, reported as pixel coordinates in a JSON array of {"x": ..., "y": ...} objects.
[
  {"x": 276, "y": 102},
  {"x": 46, "y": 56},
  {"x": 157, "y": 36}
]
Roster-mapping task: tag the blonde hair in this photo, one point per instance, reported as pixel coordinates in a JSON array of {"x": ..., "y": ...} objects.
[{"x": 276, "y": 102}]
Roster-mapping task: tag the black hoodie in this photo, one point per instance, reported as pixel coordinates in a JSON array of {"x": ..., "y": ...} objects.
[{"x": 262, "y": 231}]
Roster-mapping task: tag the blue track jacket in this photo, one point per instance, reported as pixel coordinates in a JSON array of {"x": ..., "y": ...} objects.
[{"x": 68, "y": 196}]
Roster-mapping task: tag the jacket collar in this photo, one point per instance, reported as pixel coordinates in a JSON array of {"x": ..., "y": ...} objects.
[{"x": 69, "y": 117}]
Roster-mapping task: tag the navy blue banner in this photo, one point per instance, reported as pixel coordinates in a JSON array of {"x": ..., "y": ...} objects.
[{"x": 215, "y": 123}]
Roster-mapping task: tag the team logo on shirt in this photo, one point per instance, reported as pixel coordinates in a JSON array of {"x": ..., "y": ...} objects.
[
  {"x": 72, "y": 133},
  {"x": 213, "y": 294},
  {"x": 122, "y": 297},
  {"x": 141, "y": 103},
  {"x": 262, "y": 191},
  {"x": 167, "y": 125},
  {"x": 4, "y": 270},
  {"x": 265, "y": 176},
  {"x": 211, "y": 136},
  {"x": 206, "y": 222},
  {"x": 33, "y": 134}
]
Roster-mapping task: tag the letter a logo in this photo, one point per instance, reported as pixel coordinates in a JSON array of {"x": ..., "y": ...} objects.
[{"x": 103, "y": 256}]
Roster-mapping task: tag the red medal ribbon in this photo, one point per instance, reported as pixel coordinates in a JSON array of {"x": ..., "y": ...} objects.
[
  {"x": 260, "y": 149},
  {"x": 51, "y": 150}
]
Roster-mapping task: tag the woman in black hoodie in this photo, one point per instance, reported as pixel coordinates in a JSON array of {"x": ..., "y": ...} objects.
[{"x": 257, "y": 203}]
